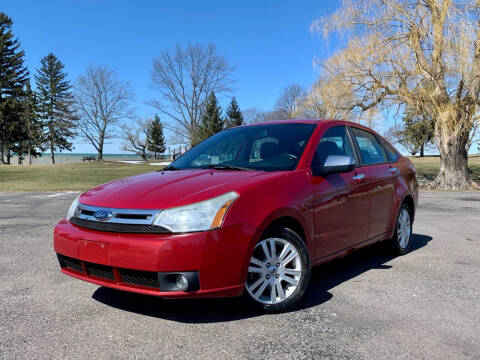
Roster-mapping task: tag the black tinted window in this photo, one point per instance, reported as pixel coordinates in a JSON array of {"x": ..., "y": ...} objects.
[
  {"x": 370, "y": 149},
  {"x": 333, "y": 142},
  {"x": 261, "y": 147}
]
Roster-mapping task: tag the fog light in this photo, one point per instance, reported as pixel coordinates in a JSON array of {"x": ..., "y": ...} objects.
[{"x": 182, "y": 282}]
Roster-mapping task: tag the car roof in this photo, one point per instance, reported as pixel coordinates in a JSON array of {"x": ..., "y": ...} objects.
[{"x": 304, "y": 121}]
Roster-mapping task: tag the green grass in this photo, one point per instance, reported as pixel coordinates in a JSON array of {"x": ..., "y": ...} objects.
[
  {"x": 83, "y": 176},
  {"x": 427, "y": 167},
  {"x": 76, "y": 176}
]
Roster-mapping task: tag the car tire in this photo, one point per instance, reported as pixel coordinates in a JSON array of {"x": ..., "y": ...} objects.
[
  {"x": 402, "y": 236},
  {"x": 276, "y": 280}
]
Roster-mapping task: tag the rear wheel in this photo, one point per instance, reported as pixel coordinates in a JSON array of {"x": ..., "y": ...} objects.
[
  {"x": 403, "y": 230},
  {"x": 279, "y": 270}
]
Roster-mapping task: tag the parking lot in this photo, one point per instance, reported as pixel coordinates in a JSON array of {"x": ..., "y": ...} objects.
[{"x": 367, "y": 305}]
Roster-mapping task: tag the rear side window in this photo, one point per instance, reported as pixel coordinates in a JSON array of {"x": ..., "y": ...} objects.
[
  {"x": 391, "y": 153},
  {"x": 371, "y": 152},
  {"x": 334, "y": 142}
]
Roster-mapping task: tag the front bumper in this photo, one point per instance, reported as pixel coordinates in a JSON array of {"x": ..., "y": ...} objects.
[{"x": 218, "y": 259}]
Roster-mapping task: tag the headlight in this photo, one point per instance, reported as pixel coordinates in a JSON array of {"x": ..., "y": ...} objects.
[
  {"x": 71, "y": 210},
  {"x": 201, "y": 216}
]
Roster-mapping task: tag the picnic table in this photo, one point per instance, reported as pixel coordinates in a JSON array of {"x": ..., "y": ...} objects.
[{"x": 89, "y": 158}]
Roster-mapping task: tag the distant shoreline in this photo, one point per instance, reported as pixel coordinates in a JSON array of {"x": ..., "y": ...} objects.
[{"x": 66, "y": 158}]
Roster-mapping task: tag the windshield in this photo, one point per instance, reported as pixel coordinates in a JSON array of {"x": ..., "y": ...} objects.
[{"x": 262, "y": 147}]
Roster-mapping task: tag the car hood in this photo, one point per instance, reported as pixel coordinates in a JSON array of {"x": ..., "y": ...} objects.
[{"x": 161, "y": 190}]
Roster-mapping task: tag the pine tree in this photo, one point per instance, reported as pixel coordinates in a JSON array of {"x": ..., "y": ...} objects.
[
  {"x": 211, "y": 122},
  {"x": 234, "y": 116},
  {"x": 417, "y": 132},
  {"x": 55, "y": 103},
  {"x": 155, "y": 137},
  {"x": 34, "y": 141},
  {"x": 13, "y": 77}
]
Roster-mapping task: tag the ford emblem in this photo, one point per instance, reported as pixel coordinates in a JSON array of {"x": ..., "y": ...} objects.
[{"x": 103, "y": 215}]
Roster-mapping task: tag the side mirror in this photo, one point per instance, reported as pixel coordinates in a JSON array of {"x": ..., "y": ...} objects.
[{"x": 334, "y": 164}]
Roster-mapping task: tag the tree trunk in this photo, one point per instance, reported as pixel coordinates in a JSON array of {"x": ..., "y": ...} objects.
[
  {"x": 52, "y": 138},
  {"x": 52, "y": 154},
  {"x": 451, "y": 138},
  {"x": 100, "y": 146},
  {"x": 9, "y": 155},
  {"x": 422, "y": 150}
]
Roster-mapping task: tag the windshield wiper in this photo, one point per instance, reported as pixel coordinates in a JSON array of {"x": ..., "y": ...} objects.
[{"x": 225, "y": 167}]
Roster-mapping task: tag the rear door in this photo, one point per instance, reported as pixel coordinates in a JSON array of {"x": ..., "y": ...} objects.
[
  {"x": 341, "y": 201},
  {"x": 380, "y": 178}
]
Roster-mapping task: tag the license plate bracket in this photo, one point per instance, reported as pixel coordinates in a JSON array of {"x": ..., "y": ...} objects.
[{"x": 94, "y": 251}]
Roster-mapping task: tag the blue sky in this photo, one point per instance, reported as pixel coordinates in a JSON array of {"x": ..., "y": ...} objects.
[{"x": 269, "y": 41}]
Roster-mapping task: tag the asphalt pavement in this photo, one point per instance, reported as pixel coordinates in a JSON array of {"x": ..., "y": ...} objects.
[{"x": 369, "y": 305}]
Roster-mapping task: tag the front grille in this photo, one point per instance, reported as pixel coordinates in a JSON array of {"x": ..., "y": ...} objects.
[
  {"x": 119, "y": 227},
  {"x": 66, "y": 262},
  {"x": 101, "y": 271},
  {"x": 160, "y": 281},
  {"x": 142, "y": 278},
  {"x": 133, "y": 216}
]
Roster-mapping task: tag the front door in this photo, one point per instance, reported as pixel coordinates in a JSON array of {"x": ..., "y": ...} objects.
[{"x": 341, "y": 201}]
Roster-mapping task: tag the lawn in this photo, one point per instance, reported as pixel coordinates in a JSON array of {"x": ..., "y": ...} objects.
[
  {"x": 82, "y": 176},
  {"x": 427, "y": 167},
  {"x": 58, "y": 177}
]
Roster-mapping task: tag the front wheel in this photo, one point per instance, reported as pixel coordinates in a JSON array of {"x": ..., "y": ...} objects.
[
  {"x": 279, "y": 270},
  {"x": 403, "y": 231}
]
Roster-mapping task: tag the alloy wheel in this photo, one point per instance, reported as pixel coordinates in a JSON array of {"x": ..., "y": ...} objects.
[
  {"x": 404, "y": 228},
  {"x": 274, "y": 271}
]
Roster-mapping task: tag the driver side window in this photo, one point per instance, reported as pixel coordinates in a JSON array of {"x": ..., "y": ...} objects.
[{"x": 334, "y": 142}]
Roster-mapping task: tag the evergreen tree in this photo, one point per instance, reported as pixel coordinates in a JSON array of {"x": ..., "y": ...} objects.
[
  {"x": 34, "y": 139},
  {"x": 155, "y": 137},
  {"x": 56, "y": 104},
  {"x": 234, "y": 116},
  {"x": 211, "y": 122},
  {"x": 13, "y": 77},
  {"x": 417, "y": 132}
]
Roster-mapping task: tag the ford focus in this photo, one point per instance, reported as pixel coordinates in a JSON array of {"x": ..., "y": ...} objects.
[{"x": 249, "y": 211}]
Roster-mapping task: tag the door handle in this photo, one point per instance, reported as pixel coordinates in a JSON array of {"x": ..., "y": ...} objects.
[
  {"x": 358, "y": 178},
  {"x": 393, "y": 171}
]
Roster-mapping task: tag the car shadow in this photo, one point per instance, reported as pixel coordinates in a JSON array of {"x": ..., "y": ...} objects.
[{"x": 324, "y": 278}]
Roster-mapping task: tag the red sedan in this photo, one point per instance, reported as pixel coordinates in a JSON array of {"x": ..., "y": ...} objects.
[{"x": 248, "y": 211}]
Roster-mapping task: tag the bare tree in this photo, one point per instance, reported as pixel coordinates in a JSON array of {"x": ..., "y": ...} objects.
[
  {"x": 291, "y": 101},
  {"x": 256, "y": 115},
  {"x": 425, "y": 54},
  {"x": 253, "y": 115},
  {"x": 331, "y": 98},
  {"x": 102, "y": 101},
  {"x": 185, "y": 77},
  {"x": 275, "y": 114},
  {"x": 135, "y": 137}
]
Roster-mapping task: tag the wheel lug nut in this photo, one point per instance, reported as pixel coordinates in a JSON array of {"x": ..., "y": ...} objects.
[
  {"x": 277, "y": 276},
  {"x": 268, "y": 264},
  {"x": 278, "y": 264},
  {"x": 267, "y": 276}
]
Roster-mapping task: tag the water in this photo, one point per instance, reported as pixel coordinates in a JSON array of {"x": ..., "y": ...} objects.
[{"x": 67, "y": 158}]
